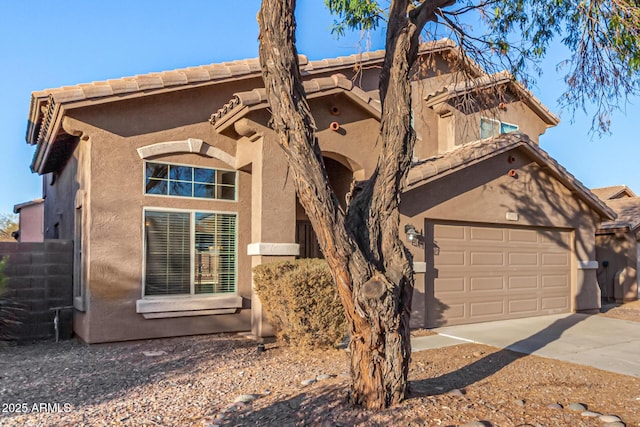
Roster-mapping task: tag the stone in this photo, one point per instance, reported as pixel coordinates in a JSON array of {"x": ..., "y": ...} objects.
[
  {"x": 519, "y": 402},
  {"x": 323, "y": 377},
  {"x": 477, "y": 424},
  {"x": 577, "y": 407},
  {"x": 609, "y": 418},
  {"x": 555, "y": 406},
  {"x": 455, "y": 393},
  {"x": 154, "y": 353},
  {"x": 246, "y": 398},
  {"x": 590, "y": 414},
  {"x": 308, "y": 382},
  {"x": 615, "y": 424}
]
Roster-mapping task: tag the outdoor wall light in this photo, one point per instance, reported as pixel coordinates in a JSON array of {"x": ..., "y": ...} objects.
[{"x": 412, "y": 234}]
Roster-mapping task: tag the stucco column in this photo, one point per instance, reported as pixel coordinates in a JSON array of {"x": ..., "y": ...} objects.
[{"x": 273, "y": 218}]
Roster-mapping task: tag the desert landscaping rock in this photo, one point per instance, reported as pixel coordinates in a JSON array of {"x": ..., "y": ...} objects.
[
  {"x": 477, "y": 424},
  {"x": 615, "y": 424},
  {"x": 518, "y": 402},
  {"x": 307, "y": 382},
  {"x": 555, "y": 406},
  {"x": 246, "y": 398},
  {"x": 577, "y": 407},
  {"x": 609, "y": 418},
  {"x": 455, "y": 393},
  {"x": 590, "y": 414},
  {"x": 323, "y": 377},
  {"x": 197, "y": 383}
]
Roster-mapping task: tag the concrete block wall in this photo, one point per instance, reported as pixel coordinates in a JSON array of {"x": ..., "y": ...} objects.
[{"x": 40, "y": 277}]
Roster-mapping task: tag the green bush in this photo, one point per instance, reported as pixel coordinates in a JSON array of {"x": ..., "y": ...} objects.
[{"x": 301, "y": 302}]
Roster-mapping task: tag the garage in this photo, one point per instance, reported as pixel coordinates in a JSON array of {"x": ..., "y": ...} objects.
[{"x": 485, "y": 272}]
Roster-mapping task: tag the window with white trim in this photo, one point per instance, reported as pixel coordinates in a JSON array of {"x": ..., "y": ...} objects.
[
  {"x": 491, "y": 127},
  {"x": 190, "y": 253},
  {"x": 189, "y": 181}
]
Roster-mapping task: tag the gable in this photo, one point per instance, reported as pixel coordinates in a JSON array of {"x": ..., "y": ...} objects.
[{"x": 477, "y": 155}]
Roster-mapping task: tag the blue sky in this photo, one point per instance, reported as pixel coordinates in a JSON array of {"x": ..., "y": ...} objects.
[{"x": 45, "y": 44}]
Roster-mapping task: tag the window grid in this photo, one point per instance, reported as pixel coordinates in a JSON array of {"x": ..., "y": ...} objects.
[{"x": 189, "y": 181}]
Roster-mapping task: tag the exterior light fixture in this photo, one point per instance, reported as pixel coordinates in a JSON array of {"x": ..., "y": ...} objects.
[{"x": 412, "y": 234}]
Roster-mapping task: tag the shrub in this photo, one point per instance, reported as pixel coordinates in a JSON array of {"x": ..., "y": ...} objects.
[{"x": 301, "y": 302}]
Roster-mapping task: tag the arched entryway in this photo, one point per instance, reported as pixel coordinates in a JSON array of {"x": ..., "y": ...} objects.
[{"x": 340, "y": 178}]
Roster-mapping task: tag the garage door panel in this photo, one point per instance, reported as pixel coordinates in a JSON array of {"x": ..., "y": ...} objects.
[
  {"x": 555, "y": 281},
  {"x": 486, "y": 234},
  {"x": 485, "y": 273},
  {"x": 523, "y": 259},
  {"x": 450, "y": 232},
  {"x": 494, "y": 259},
  {"x": 446, "y": 285},
  {"x": 447, "y": 258},
  {"x": 555, "y": 259},
  {"x": 560, "y": 303},
  {"x": 481, "y": 284},
  {"x": 524, "y": 282},
  {"x": 523, "y": 236},
  {"x": 486, "y": 308},
  {"x": 524, "y": 306}
]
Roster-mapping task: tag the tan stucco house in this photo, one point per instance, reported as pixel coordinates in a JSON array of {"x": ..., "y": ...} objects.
[
  {"x": 173, "y": 187},
  {"x": 618, "y": 245}
]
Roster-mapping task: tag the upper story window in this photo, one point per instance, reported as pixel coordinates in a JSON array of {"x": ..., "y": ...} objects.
[
  {"x": 491, "y": 127},
  {"x": 189, "y": 181}
]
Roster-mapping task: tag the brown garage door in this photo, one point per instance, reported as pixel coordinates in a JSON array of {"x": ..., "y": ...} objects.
[{"x": 479, "y": 273}]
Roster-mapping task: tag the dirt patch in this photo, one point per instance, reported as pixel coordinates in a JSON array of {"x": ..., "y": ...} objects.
[
  {"x": 627, "y": 311},
  {"x": 194, "y": 381}
]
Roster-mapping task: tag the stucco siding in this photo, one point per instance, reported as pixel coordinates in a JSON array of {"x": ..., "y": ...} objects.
[{"x": 484, "y": 193}]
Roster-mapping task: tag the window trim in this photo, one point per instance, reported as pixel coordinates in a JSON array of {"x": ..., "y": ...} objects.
[
  {"x": 144, "y": 182},
  {"x": 192, "y": 295}
]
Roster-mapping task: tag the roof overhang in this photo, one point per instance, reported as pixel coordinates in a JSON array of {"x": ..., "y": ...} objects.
[
  {"x": 244, "y": 102},
  {"x": 20, "y": 206},
  {"x": 488, "y": 82},
  {"x": 48, "y": 107},
  {"x": 475, "y": 152}
]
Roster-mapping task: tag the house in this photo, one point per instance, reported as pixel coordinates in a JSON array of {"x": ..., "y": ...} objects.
[
  {"x": 618, "y": 245},
  {"x": 30, "y": 222},
  {"x": 173, "y": 186}
]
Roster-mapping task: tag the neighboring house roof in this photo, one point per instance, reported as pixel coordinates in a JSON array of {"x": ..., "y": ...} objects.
[
  {"x": 18, "y": 207},
  {"x": 48, "y": 106},
  {"x": 613, "y": 192},
  {"x": 628, "y": 211},
  {"x": 474, "y": 152},
  {"x": 243, "y": 102},
  {"x": 490, "y": 81}
]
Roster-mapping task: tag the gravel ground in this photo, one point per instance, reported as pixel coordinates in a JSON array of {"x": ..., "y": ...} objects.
[{"x": 197, "y": 381}]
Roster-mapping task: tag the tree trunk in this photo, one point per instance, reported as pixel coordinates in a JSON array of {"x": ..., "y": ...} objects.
[{"x": 370, "y": 265}]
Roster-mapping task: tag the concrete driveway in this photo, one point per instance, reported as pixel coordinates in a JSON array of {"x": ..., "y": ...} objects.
[{"x": 604, "y": 343}]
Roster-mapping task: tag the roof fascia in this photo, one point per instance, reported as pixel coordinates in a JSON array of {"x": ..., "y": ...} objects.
[{"x": 523, "y": 94}]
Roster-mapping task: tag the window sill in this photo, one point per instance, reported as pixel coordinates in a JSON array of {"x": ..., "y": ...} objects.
[{"x": 154, "y": 308}]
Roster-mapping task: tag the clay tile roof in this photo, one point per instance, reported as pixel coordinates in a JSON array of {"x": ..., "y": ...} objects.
[
  {"x": 613, "y": 192},
  {"x": 628, "y": 211},
  {"x": 474, "y": 152},
  {"x": 504, "y": 77},
  {"x": 258, "y": 97}
]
